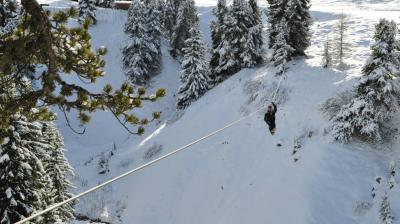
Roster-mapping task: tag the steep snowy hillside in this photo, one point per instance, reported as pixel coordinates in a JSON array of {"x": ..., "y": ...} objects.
[{"x": 240, "y": 175}]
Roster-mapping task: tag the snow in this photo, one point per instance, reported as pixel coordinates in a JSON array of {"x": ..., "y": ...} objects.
[
  {"x": 9, "y": 193},
  {"x": 4, "y": 158},
  {"x": 238, "y": 176}
]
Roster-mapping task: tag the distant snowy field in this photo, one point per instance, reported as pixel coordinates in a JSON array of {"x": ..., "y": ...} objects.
[{"x": 238, "y": 176}]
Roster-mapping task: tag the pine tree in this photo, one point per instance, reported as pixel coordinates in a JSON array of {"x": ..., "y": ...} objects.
[
  {"x": 142, "y": 55},
  {"x": 216, "y": 35},
  {"x": 385, "y": 212},
  {"x": 22, "y": 175},
  {"x": 327, "y": 58},
  {"x": 186, "y": 17},
  {"x": 377, "y": 92},
  {"x": 9, "y": 16},
  {"x": 282, "y": 51},
  {"x": 58, "y": 170},
  {"x": 87, "y": 10},
  {"x": 194, "y": 77}
]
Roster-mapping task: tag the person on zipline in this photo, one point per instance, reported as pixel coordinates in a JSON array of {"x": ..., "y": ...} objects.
[{"x": 269, "y": 118}]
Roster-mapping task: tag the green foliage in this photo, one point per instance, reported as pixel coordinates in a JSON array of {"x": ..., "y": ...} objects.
[{"x": 44, "y": 38}]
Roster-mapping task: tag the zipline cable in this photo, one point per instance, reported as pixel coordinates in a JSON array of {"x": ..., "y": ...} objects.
[
  {"x": 277, "y": 88},
  {"x": 144, "y": 165}
]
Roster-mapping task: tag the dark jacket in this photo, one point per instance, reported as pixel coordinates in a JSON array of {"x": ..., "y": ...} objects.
[{"x": 269, "y": 117}]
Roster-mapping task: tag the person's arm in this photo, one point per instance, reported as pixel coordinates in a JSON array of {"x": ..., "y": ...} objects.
[{"x": 275, "y": 108}]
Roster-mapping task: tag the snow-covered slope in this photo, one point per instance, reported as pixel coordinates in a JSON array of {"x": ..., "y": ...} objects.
[{"x": 238, "y": 176}]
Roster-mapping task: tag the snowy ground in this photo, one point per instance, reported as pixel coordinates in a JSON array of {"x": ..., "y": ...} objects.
[{"x": 238, "y": 176}]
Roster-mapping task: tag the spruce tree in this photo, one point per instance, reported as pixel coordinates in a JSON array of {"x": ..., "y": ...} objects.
[
  {"x": 153, "y": 22},
  {"x": 377, "y": 92},
  {"x": 186, "y": 17},
  {"x": 233, "y": 41},
  {"x": 243, "y": 37},
  {"x": 296, "y": 15},
  {"x": 9, "y": 16},
  {"x": 24, "y": 182},
  {"x": 276, "y": 12},
  {"x": 282, "y": 51},
  {"x": 58, "y": 170},
  {"x": 299, "y": 21},
  {"x": 45, "y": 143},
  {"x": 216, "y": 35},
  {"x": 169, "y": 18},
  {"x": 142, "y": 55},
  {"x": 87, "y": 10},
  {"x": 255, "y": 38},
  {"x": 194, "y": 77},
  {"x": 237, "y": 39}
]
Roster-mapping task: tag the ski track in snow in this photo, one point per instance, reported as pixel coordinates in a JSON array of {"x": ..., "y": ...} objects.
[{"x": 238, "y": 176}]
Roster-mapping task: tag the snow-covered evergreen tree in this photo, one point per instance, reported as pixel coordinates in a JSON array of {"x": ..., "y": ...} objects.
[
  {"x": 87, "y": 10},
  {"x": 237, "y": 39},
  {"x": 243, "y": 42},
  {"x": 186, "y": 17},
  {"x": 276, "y": 11},
  {"x": 194, "y": 76},
  {"x": 326, "y": 56},
  {"x": 254, "y": 43},
  {"x": 153, "y": 23},
  {"x": 104, "y": 3},
  {"x": 58, "y": 170},
  {"x": 234, "y": 38},
  {"x": 24, "y": 182},
  {"x": 216, "y": 34},
  {"x": 282, "y": 51},
  {"x": 169, "y": 18},
  {"x": 228, "y": 63},
  {"x": 385, "y": 212},
  {"x": 377, "y": 92},
  {"x": 9, "y": 16},
  {"x": 142, "y": 54},
  {"x": 296, "y": 15},
  {"x": 299, "y": 21}
]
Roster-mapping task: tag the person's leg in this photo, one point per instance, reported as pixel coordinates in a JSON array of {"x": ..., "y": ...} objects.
[{"x": 272, "y": 128}]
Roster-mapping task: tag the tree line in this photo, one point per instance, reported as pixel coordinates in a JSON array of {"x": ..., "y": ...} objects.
[{"x": 237, "y": 40}]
